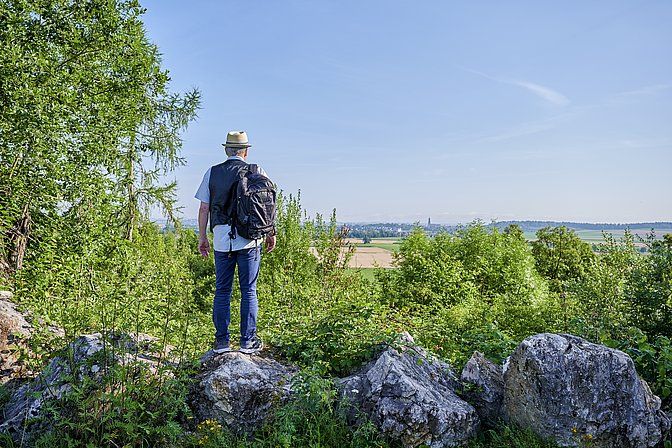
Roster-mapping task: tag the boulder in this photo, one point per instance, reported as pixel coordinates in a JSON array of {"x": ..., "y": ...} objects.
[
  {"x": 410, "y": 397},
  {"x": 577, "y": 393},
  {"x": 484, "y": 388},
  {"x": 239, "y": 390}
]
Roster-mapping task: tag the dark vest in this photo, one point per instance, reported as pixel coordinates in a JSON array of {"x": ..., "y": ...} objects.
[{"x": 222, "y": 180}]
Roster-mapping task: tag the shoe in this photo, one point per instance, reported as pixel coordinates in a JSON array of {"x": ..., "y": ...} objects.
[
  {"x": 254, "y": 345},
  {"x": 221, "y": 346}
]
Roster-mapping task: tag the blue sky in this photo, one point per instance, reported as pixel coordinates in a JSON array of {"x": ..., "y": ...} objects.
[{"x": 396, "y": 110}]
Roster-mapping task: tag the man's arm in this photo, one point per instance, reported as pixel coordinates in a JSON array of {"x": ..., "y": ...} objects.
[{"x": 203, "y": 215}]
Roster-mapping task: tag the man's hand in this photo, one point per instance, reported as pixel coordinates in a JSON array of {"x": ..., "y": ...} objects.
[
  {"x": 204, "y": 246},
  {"x": 203, "y": 215},
  {"x": 269, "y": 243}
]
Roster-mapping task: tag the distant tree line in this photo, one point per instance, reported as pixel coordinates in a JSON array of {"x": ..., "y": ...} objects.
[
  {"x": 392, "y": 230},
  {"x": 533, "y": 226}
]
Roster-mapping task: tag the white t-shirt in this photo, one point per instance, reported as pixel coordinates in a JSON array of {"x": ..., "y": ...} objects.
[{"x": 220, "y": 237}]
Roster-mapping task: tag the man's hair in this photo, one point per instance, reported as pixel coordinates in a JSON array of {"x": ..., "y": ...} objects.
[{"x": 231, "y": 151}]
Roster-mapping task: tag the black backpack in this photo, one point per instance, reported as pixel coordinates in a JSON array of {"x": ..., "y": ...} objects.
[{"x": 254, "y": 205}]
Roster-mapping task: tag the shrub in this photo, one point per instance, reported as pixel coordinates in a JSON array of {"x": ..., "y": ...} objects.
[
  {"x": 653, "y": 359},
  {"x": 477, "y": 277},
  {"x": 130, "y": 406}
]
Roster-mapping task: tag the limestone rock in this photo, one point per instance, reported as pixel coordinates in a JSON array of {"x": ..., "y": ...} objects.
[
  {"x": 28, "y": 400},
  {"x": 14, "y": 330},
  {"x": 410, "y": 397},
  {"x": 575, "y": 392},
  {"x": 85, "y": 357},
  {"x": 239, "y": 390},
  {"x": 484, "y": 383},
  {"x": 12, "y": 322}
]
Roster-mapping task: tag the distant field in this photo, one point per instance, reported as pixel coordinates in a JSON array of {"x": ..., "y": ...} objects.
[
  {"x": 390, "y": 247},
  {"x": 378, "y": 253},
  {"x": 369, "y": 257},
  {"x": 375, "y": 240}
]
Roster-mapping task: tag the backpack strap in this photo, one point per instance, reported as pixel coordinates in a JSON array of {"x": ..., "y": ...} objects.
[
  {"x": 232, "y": 231},
  {"x": 253, "y": 168}
]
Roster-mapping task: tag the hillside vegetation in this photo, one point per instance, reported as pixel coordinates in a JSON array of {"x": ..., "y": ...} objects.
[{"x": 87, "y": 127}]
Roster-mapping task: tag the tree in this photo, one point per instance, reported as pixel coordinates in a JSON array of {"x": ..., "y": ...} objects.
[
  {"x": 561, "y": 256},
  {"x": 478, "y": 275},
  {"x": 85, "y": 108},
  {"x": 514, "y": 231},
  {"x": 649, "y": 288},
  {"x": 667, "y": 240}
]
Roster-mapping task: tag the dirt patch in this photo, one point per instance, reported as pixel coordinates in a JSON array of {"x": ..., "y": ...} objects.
[{"x": 367, "y": 257}]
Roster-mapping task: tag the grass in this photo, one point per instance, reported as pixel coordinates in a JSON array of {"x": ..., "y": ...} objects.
[
  {"x": 390, "y": 244},
  {"x": 390, "y": 247},
  {"x": 367, "y": 273},
  {"x": 510, "y": 436}
]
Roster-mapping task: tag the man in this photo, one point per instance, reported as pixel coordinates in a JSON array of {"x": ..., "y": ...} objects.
[{"x": 215, "y": 194}]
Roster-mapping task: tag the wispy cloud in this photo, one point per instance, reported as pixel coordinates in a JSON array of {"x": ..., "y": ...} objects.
[
  {"x": 545, "y": 93},
  {"x": 518, "y": 131},
  {"x": 647, "y": 90}
]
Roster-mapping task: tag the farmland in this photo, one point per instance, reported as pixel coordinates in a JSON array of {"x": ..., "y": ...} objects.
[{"x": 378, "y": 253}]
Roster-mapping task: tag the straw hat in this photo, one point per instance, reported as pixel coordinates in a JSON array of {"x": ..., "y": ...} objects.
[{"x": 236, "y": 139}]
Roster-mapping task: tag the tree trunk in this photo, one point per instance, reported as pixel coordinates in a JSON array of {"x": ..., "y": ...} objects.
[
  {"x": 5, "y": 270},
  {"x": 19, "y": 239}
]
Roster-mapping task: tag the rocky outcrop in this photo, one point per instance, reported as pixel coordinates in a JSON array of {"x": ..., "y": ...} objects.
[
  {"x": 484, "y": 388},
  {"x": 410, "y": 397},
  {"x": 55, "y": 381},
  {"x": 560, "y": 386},
  {"x": 87, "y": 356},
  {"x": 239, "y": 390},
  {"x": 576, "y": 392}
]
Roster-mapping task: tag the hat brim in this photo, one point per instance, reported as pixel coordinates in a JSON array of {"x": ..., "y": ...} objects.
[{"x": 236, "y": 145}]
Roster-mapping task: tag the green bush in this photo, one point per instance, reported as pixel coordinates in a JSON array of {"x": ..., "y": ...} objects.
[
  {"x": 653, "y": 359},
  {"x": 314, "y": 310},
  {"x": 478, "y": 283},
  {"x": 649, "y": 289},
  {"x": 560, "y": 256},
  {"x": 129, "y": 406}
]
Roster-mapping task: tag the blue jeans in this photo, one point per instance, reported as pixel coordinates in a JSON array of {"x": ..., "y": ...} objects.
[{"x": 248, "y": 261}]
